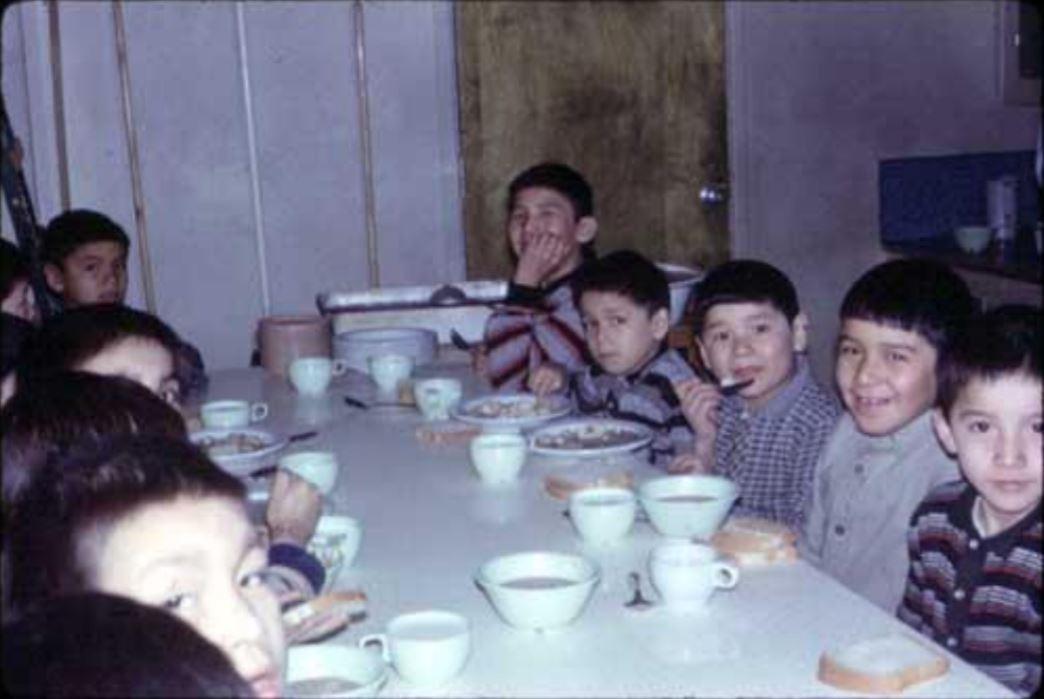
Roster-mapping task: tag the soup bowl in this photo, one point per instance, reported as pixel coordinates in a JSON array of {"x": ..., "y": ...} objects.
[
  {"x": 329, "y": 670},
  {"x": 688, "y": 506},
  {"x": 538, "y": 590}
]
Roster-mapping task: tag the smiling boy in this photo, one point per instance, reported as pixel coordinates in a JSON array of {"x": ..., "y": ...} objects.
[
  {"x": 974, "y": 584},
  {"x": 881, "y": 460},
  {"x": 768, "y": 435},
  {"x": 624, "y": 300},
  {"x": 550, "y": 228}
]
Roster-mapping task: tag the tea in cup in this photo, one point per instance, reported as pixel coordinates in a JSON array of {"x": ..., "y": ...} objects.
[
  {"x": 427, "y": 648},
  {"x": 317, "y": 467},
  {"x": 388, "y": 370},
  {"x": 602, "y": 516},
  {"x": 230, "y": 414},
  {"x": 311, "y": 376},
  {"x": 437, "y": 397},
  {"x": 687, "y": 574},
  {"x": 498, "y": 457}
]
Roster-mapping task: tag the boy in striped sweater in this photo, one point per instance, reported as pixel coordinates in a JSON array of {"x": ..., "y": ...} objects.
[
  {"x": 551, "y": 227},
  {"x": 974, "y": 584}
]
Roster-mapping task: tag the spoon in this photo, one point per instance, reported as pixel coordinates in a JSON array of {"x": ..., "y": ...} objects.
[
  {"x": 638, "y": 602},
  {"x": 728, "y": 389}
]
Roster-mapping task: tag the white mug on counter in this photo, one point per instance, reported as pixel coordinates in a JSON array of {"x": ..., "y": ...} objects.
[
  {"x": 311, "y": 376},
  {"x": 437, "y": 397},
  {"x": 427, "y": 648},
  {"x": 686, "y": 574},
  {"x": 388, "y": 370},
  {"x": 230, "y": 414},
  {"x": 602, "y": 516}
]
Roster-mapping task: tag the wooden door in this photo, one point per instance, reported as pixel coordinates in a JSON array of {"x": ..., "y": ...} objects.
[{"x": 632, "y": 94}]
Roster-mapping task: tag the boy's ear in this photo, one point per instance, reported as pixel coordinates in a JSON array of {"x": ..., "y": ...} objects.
[
  {"x": 799, "y": 328},
  {"x": 585, "y": 230},
  {"x": 943, "y": 431},
  {"x": 661, "y": 323},
  {"x": 55, "y": 278}
]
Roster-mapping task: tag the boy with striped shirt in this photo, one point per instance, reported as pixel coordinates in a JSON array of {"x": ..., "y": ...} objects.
[{"x": 974, "y": 583}]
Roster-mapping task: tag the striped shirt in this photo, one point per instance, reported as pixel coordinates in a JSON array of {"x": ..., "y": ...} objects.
[
  {"x": 771, "y": 451},
  {"x": 534, "y": 327},
  {"x": 645, "y": 396},
  {"x": 977, "y": 596}
]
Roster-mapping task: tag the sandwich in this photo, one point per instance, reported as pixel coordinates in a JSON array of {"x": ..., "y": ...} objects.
[
  {"x": 753, "y": 541},
  {"x": 882, "y": 665}
]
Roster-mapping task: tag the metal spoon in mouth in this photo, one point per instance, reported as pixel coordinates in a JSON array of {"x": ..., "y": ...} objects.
[{"x": 728, "y": 388}]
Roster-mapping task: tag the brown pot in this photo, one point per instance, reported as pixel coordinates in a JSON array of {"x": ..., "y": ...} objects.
[{"x": 283, "y": 339}]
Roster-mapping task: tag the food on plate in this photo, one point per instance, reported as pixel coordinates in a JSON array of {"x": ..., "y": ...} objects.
[
  {"x": 753, "y": 541},
  {"x": 560, "y": 487},
  {"x": 587, "y": 437},
  {"x": 881, "y": 665},
  {"x": 233, "y": 444},
  {"x": 447, "y": 433},
  {"x": 515, "y": 408}
]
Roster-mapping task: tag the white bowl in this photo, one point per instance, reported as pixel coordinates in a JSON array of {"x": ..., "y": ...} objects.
[
  {"x": 681, "y": 280},
  {"x": 222, "y": 448},
  {"x": 357, "y": 346},
  {"x": 498, "y": 457},
  {"x": 973, "y": 239},
  {"x": 688, "y": 506},
  {"x": 538, "y": 590},
  {"x": 360, "y": 673}
]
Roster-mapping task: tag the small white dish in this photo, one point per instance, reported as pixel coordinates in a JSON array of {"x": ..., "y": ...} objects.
[
  {"x": 511, "y": 412},
  {"x": 589, "y": 437},
  {"x": 240, "y": 451}
]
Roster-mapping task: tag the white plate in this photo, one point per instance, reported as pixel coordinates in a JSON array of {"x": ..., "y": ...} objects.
[
  {"x": 520, "y": 408},
  {"x": 242, "y": 464},
  {"x": 588, "y": 429}
]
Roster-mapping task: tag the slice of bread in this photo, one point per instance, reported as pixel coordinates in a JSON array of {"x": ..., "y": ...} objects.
[
  {"x": 882, "y": 665},
  {"x": 752, "y": 541},
  {"x": 561, "y": 487}
]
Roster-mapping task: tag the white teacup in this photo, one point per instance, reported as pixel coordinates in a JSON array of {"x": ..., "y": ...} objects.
[
  {"x": 335, "y": 543},
  {"x": 311, "y": 376},
  {"x": 427, "y": 648},
  {"x": 686, "y": 574},
  {"x": 230, "y": 414},
  {"x": 437, "y": 397},
  {"x": 317, "y": 467},
  {"x": 388, "y": 370},
  {"x": 498, "y": 456},
  {"x": 602, "y": 516}
]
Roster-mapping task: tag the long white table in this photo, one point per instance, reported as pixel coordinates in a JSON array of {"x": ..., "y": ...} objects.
[{"x": 428, "y": 523}]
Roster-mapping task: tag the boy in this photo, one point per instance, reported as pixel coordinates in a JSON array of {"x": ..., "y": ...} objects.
[
  {"x": 624, "y": 300},
  {"x": 881, "y": 460},
  {"x": 551, "y": 227},
  {"x": 84, "y": 255},
  {"x": 975, "y": 545},
  {"x": 768, "y": 435}
]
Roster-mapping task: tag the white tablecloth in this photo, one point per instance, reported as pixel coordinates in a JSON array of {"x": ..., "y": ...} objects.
[{"x": 428, "y": 523}]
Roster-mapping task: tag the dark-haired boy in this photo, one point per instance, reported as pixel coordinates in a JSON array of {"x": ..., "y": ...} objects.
[
  {"x": 768, "y": 435},
  {"x": 550, "y": 227},
  {"x": 974, "y": 584},
  {"x": 897, "y": 320},
  {"x": 624, "y": 300}
]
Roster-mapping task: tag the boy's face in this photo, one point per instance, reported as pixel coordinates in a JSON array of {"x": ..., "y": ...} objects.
[
  {"x": 539, "y": 213},
  {"x": 994, "y": 428},
  {"x": 886, "y": 375},
  {"x": 138, "y": 359},
  {"x": 621, "y": 335},
  {"x": 94, "y": 273},
  {"x": 21, "y": 301},
  {"x": 752, "y": 341},
  {"x": 200, "y": 559}
]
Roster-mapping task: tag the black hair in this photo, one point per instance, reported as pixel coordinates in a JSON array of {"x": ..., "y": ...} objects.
[
  {"x": 14, "y": 266},
  {"x": 745, "y": 281},
  {"x": 629, "y": 274},
  {"x": 917, "y": 295},
  {"x": 76, "y": 335},
  {"x": 99, "y": 645},
  {"x": 72, "y": 503},
  {"x": 72, "y": 229},
  {"x": 560, "y": 178},
  {"x": 16, "y": 335},
  {"x": 1003, "y": 341}
]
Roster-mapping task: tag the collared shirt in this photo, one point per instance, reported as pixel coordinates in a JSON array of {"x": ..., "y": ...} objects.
[
  {"x": 771, "y": 451},
  {"x": 645, "y": 396},
  {"x": 863, "y": 493},
  {"x": 977, "y": 596},
  {"x": 535, "y": 326}
]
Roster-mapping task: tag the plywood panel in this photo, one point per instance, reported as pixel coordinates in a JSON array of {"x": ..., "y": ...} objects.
[{"x": 631, "y": 94}]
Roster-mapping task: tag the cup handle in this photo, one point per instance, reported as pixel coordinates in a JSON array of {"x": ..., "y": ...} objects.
[
  {"x": 379, "y": 639},
  {"x": 339, "y": 367},
  {"x": 258, "y": 412},
  {"x": 726, "y": 576}
]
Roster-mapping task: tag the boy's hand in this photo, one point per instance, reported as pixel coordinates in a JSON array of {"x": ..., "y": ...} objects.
[
  {"x": 294, "y": 506},
  {"x": 546, "y": 378},
  {"x": 541, "y": 256},
  {"x": 699, "y": 403}
]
